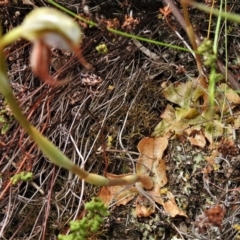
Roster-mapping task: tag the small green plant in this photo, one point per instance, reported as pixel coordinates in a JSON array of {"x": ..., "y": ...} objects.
[
  {"x": 102, "y": 48},
  {"x": 206, "y": 48},
  {"x": 88, "y": 225},
  {"x": 237, "y": 228},
  {"x": 22, "y": 176},
  {"x": 5, "y": 121}
]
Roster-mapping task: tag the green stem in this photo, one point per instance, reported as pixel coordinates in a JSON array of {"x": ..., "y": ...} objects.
[
  {"x": 120, "y": 33},
  {"x": 226, "y": 15},
  {"x": 10, "y": 37}
]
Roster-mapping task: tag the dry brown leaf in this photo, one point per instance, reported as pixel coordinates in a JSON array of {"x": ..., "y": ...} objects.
[
  {"x": 168, "y": 114},
  {"x": 167, "y": 200},
  {"x": 230, "y": 94},
  {"x": 210, "y": 162},
  {"x": 170, "y": 205},
  {"x": 199, "y": 140},
  {"x": 121, "y": 194},
  {"x": 150, "y": 161},
  {"x": 144, "y": 208},
  {"x": 151, "y": 150}
]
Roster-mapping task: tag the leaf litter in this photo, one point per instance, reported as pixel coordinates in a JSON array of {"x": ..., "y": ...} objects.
[
  {"x": 200, "y": 124},
  {"x": 151, "y": 162}
]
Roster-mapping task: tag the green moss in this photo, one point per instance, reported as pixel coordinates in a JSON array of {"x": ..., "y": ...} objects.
[{"x": 5, "y": 121}]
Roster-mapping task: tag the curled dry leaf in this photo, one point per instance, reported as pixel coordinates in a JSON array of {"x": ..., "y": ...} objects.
[
  {"x": 144, "y": 208},
  {"x": 168, "y": 202},
  {"x": 210, "y": 163},
  {"x": 230, "y": 94},
  {"x": 150, "y": 162},
  {"x": 152, "y": 150},
  {"x": 196, "y": 138},
  {"x": 120, "y": 194}
]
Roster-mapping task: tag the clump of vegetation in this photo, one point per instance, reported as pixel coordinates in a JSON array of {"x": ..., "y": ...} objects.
[
  {"x": 5, "y": 121},
  {"x": 102, "y": 48},
  {"x": 90, "y": 224},
  {"x": 22, "y": 176}
]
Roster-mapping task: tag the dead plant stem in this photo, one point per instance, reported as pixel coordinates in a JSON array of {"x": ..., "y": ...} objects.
[{"x": 190, "y": 32}]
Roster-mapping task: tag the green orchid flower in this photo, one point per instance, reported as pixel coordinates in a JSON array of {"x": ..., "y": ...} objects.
[{"x": 46, "y": 28}]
